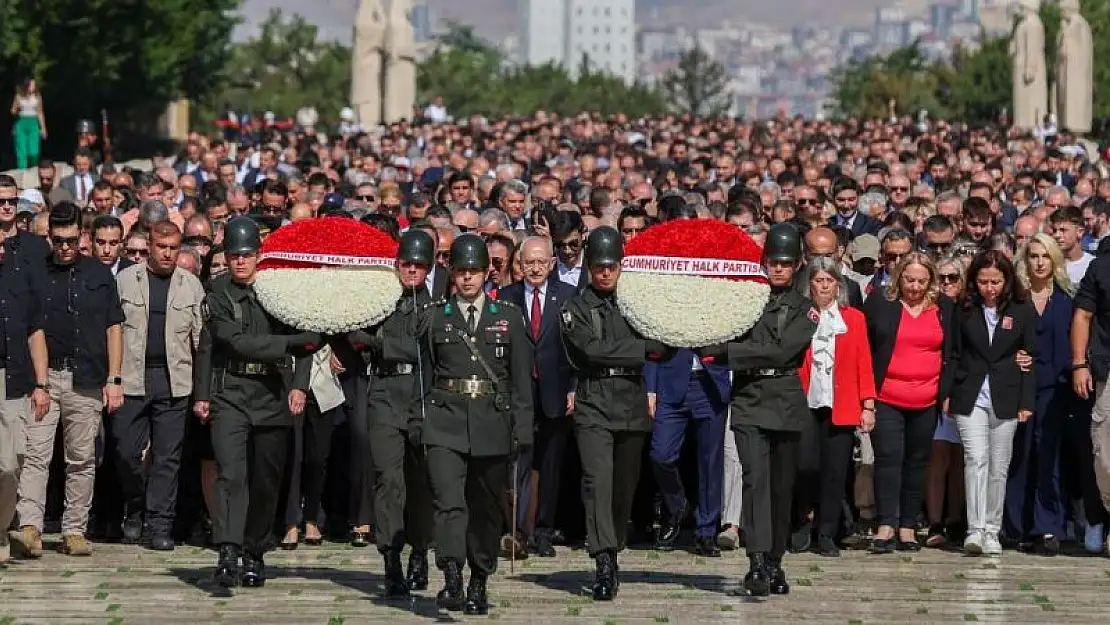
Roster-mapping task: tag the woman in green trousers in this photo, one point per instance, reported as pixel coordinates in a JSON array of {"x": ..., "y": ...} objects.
[{"x": 30, "y": 124}]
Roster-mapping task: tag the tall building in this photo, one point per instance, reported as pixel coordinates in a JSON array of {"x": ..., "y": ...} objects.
[
  {"x": 601, "y": 32},
  {"x": 422, "y": 19}
]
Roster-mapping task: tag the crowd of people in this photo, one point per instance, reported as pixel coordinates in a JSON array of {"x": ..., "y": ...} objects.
[{"x": 941, "y": 382}]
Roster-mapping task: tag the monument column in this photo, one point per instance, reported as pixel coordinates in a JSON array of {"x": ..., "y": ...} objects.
[
  {"x": 1030, "y": 73},
  {"x": 1074, "y": 70},
  {"x": 366, "y": 63},
  {"x": 400, "y": 74}
]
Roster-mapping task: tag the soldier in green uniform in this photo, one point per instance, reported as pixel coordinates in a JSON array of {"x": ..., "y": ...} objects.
[
  {"x": 478, "y": 413},
  {"x": 611, "y": 419},
  {"x": 397, "y": 358},
  {"x": 769, "y": 409},
  {"x": 251, "y": 408}
]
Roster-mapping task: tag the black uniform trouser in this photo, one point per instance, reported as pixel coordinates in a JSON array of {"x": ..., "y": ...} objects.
[
  {"x": 250, "y": 460},
  {"x": 610, "y": 470},
  {"x": 466, "y": 494},
  {"x": 547, "y": 458},
  {"x": 402, "y": 495},
  {"x": 157, "y": 419},
  {"x": 770, "y": 465}
]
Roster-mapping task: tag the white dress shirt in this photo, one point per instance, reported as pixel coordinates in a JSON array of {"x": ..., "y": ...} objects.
[{"x": 569, "y": 275}]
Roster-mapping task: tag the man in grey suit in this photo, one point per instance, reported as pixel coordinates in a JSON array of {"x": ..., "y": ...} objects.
[{"x": 79, "y": 184}]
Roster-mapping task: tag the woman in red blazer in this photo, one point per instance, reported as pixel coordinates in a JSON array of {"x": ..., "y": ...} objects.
[{"x": 840, "y": 386}]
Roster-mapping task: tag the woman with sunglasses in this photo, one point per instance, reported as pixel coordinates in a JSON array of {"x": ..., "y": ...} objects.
[
  {"x": 944, "y": 479},
  {"x": 1035, "y": 502}
]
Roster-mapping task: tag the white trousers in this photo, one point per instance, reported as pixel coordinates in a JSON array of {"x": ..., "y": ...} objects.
[
  {"x": 733, "y": 486},
  {"x": 988, "y": 445}
]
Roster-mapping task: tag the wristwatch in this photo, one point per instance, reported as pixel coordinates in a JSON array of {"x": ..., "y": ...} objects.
[
  {"x": 42, "y": 385},
  {"x": 117, "y": 381},
  {"x": 1079, "y": 365}
]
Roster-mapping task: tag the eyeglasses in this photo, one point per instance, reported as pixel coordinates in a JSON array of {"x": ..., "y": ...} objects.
[
  {"x": 899, "y": 189},
  {"x": 810, "y": 201},
  {"x": 949, "y": 278},
  {"x": 136, "y": 252},
  {"x": 9, "y": 201},
  {"x": 938, "y": 248},
  {"x": 893, "y": 257},
  {"x": 444, "y": 254},
  {"x": 497, "y": 263},
  {"x": 966, "y": 251},
  {"x": 366, "y": 198},
  {"x": 569, "y": 245},
  {"x": 65, "y": 241}
]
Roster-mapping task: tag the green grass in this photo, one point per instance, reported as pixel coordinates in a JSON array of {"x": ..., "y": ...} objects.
[
  {"x": 922, "y": 610},
  {"x": 505, "y": 604},
  {"x": 100, "y": 596},
  {"x": 654, "y": 555},
  {"x": 970, "y": 617},
  {"x": 1048, "y": 607},
  {"x": 907, "y": 559},
  {"x": 336, "y": 620},
  {"x": 296, "y": 592},
  {"x": 813, "y": 568},
  {"x": 574, "y": 610},
  {"x": 68, "y": 573},
  {"x": 804, "y": 581},
  {"x": 865, "y": 599},
  {"x": 115, "y": 621},
  {"x": 1041, "y": 599},
  {"x": 7, "y": 620},
  {"x": 123, "y": 569},
  {"x": 609, "y": 621},
  {"x": 990, "y": 566},
  {"x": 855, "y": 621},
  {"x": 725, "y": 607},
  {"x": 1026, "y": 586},
  {"x": 924, "y": 590},
  {"x": 960, "y": 575},
  {"x": 662, "y": 619},
  {"x": 115, "y": 607}
]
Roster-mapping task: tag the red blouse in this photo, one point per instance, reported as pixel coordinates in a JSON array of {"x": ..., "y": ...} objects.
[{"x": 913, "y": 377}]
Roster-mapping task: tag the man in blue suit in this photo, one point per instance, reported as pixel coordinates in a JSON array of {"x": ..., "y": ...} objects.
[
  {"x": 541, "y": 297},
  {"x": 681, "y": 390}
]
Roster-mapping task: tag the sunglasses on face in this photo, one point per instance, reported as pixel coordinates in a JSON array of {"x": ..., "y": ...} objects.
[
  {"x": 949, "y": 278},
  {"x": 9, "y": 201},
  {"x": 938, "y": 248},
  {"x": 808, "y": 201},
  {"x": 137, "y": 252},
  {"x": 893, "y": 257},
  {"x": 65, "y": 241},
  {"x": 569, "y": 245},
  {"x": 366, "y": 198}
]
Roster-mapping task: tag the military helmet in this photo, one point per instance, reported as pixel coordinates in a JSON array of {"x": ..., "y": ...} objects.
[
  {"x": 784, "y": 243},
  {"x": 469, "y": 252},
  {"x": 242, "y": 236},
  {"x": 417, "y": 247},
  {"x": 86, "y": 127},
  {"x": 604, "y": 246}
]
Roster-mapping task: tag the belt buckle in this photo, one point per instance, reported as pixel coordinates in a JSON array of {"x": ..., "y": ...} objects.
[
  {"x": 404, "y": 368},
  {"x": 252, "y": 368},
  {"x": 766, "y": 372}
]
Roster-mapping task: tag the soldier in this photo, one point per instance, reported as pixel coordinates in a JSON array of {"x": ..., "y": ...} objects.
[
  {"x": 769, "y": 409},
  {"x": 250, "y": 413},
  {"x": 611, "y": 419},
  {"x": 478, "y": 414},
  {"x": 402, "y": 497}
]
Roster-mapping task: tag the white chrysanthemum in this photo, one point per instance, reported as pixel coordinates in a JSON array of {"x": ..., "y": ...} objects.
[
  {"x": 690, "y": 311},
  {"x": 329, "y": 300}
]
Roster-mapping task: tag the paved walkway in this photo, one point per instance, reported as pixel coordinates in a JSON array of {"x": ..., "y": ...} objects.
[{"x": 336, "y": 584}]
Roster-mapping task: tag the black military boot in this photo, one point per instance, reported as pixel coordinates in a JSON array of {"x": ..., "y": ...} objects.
[
  {"x": 418, "y": 570},
  {"x": 451, "y": 596},
  {"x": 133, "y": 528},
  {"x": 758, "y": 581},
  {"x": 227, "y": 567},
  {"x": 605, "y": 584},
  {"x": 778, "y": 585},
  {"x": 395, "y": 583},
  {"x": 476, "y": 602},
  {"x": 254, "y": 571}
]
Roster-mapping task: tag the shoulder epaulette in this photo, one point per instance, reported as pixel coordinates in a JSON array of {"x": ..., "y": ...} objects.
[{"x": 507, "y": 304}]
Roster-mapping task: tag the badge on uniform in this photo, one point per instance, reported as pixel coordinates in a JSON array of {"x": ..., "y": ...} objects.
[
  {"x": 813, "y": 315},
  {"x": 204, "y": 310},
  {"x": 499, "y": 351},
  {"x": 1007, "y": 323},
  {"x": 566, "y": 318}
]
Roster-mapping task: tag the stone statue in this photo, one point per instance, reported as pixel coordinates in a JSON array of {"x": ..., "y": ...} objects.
[
  {"x": 1074, "y": 70},
  {"x": 1030, "y": 73},
  {"x": 366, "y": 66},
  {"x": 400, "y": 73}
]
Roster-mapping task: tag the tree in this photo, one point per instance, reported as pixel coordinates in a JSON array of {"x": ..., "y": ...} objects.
[
  {"x": 284, "y": 68},
  {"x": 866, "y": 87},
  {"x": 130, "y": 57},
  {"x": 698, "y": 86}
]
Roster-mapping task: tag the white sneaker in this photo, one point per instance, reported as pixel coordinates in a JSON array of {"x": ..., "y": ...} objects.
[
  {"x": 973, "y": 544},
  {"x": 992, "y": 546}
]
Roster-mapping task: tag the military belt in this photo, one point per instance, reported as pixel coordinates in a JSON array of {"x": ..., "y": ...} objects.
[
  {"x": 399, "y": 368},
  {"x": 614, "y": 372},
  {"x": 767, "y": 373},
  {"x": 472, "y": 387},
  {"x": 243, "y": 367}
]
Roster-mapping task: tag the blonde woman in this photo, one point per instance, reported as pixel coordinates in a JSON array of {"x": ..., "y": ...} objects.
[
  {"x": 912, "y": 332},
  {"x": 944, "y": 479},
  {"x": 1035, "y": 501}
]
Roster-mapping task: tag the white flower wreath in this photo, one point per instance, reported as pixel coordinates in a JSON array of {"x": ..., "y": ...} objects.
[
  {"x": 690, "y": 311},
  {"x": 329, "y": 300}
]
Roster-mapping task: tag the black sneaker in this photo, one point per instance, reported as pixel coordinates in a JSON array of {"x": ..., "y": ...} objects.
[{"x": 826, "y": 546}]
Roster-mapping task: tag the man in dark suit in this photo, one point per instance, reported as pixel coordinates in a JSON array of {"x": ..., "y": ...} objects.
[
  {"x": 681, "y": 390},
  {"x": 822, "y": 241},
  {"x": 541, "y": 296},
  {"x": 80, "y": 183},
  {"x": 845, "y": 193}
]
